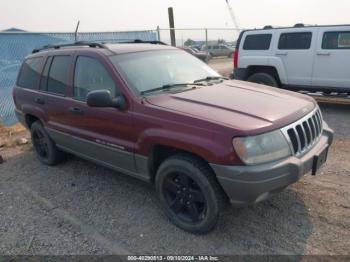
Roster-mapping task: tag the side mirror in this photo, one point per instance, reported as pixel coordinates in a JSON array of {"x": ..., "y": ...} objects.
[{"x": 103, "y": 98}]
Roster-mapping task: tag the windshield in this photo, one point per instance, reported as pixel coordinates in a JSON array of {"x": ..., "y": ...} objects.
[{"x": 148, "y": 70}]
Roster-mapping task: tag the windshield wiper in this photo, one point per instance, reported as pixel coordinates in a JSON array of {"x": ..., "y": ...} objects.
[
  {"x": 169, "y": 86},
  {"x": 209, "y": 78}
]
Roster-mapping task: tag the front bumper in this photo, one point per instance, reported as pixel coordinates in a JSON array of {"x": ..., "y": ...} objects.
[{"x": 247, "y": 185}]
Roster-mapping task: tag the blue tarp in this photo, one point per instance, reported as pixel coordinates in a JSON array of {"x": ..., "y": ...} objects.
[{"x": 14, "y": 46}]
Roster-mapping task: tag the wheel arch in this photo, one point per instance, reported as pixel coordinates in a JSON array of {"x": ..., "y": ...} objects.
[
  {"x": 30, "y": 119},
  {"x": 271, "y": 70},
  {"x": 160, "y": 152}
]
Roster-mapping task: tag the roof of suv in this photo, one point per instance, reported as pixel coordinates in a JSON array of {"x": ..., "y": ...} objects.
[{"x": 296, "y": 26}]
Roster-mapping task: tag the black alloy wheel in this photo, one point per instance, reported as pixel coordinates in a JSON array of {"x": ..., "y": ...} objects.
[
  {"x": 185, "y": 197},
  {"x": 189, "y": 192}
]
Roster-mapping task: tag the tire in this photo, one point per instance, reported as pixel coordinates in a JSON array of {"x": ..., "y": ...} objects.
[
  {"x": 189, "y": 193},
  {"x": 45, "y": 148},
  {"x": 264, "y": 79}
]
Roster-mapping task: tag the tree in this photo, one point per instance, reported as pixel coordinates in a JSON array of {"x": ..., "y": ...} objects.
[{"x": 189, "y": 42}]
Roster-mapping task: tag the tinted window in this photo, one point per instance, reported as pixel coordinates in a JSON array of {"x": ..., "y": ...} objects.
[
  {"x": 257, "y": 42},
  {"x": 57, "y": 76},
  {"x": 295, "y": 40},
  {"x": 30, "y": 73},
  {"x": 91, "y": 75},
  {"x": 336, "y": 40}
]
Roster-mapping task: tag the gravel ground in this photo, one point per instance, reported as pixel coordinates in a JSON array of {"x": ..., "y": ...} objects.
[{"x": 80, "y": 208}]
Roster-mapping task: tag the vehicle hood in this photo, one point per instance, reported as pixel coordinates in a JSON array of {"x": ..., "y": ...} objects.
[{"x": 244, "y": 106}]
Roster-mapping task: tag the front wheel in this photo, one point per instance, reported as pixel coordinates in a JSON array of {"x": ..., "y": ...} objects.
[
  {"x": 189, "y": 193},
  {"x": 264, "y": 79}
]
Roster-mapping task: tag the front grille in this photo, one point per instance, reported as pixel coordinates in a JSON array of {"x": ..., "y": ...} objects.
[{"x": 304, "y": 133}]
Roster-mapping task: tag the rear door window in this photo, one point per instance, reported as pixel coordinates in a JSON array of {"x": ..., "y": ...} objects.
[
  {"x": 257, "y": 42},
  {"x": 55, "y": 75},
  {"x": 336, "y": 40},
  {"x": 30, "y": 73},
  {"x": 295, "y": 41},
  {"x": 90, "y": 75}
]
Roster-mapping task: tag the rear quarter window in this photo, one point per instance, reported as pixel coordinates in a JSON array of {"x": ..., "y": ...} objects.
[
  {"x": 336, "y": 40},
  {"x": 295, "y": 41},
  {"x": 257, "y": 42},
  {"x": 30, "y": 73}
]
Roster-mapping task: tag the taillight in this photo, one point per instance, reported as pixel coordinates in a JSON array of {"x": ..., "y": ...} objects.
[{"x": 235, "y": 59}]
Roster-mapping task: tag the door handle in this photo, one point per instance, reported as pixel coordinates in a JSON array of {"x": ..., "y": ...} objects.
[
  {"x": 324, "y": 53},
  {"x": 39, "y": 100},
  {"x": 281, "y": 53},
  {"x": 76, "y": 110}
]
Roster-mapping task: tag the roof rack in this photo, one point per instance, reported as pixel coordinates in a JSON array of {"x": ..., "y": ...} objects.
[
  {"x": 100, "y": 45},
  {"x": 155, "y": 42},
  {"x": 79, "y": 43}
]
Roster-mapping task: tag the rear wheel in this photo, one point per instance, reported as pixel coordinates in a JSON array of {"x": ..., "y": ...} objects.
[
  {"x": 264, "y": 79},
  {"x": 45, "y": 148},
  {"x": 189, "y": 193}
]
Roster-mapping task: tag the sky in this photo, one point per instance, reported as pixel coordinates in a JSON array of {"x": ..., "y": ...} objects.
[{"x": 123, "y": 15}]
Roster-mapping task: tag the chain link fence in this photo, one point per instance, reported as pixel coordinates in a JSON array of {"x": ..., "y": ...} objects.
[
  {"x": 199, "y": 37},
  {"x": 14, "y": 46}
]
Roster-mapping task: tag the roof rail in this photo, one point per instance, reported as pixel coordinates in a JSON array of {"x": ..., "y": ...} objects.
[
  {"x": 96, "y": 44},
  {"x": 79, "y": 43},
  {"x": 139, "y": 41}
]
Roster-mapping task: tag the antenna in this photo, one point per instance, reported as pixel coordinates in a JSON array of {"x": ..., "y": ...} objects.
[{"x": 76, "y": 32}]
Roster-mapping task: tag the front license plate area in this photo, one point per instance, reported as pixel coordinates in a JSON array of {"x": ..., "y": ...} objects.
[{"x": 319, "y": 160}]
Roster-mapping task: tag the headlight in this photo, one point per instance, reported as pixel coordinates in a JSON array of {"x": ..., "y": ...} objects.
[{"x": 262, "y": 148}]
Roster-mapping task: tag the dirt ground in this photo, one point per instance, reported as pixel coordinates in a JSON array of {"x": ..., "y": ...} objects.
[
  {"x": 80, "y": 208},
  {"x": 222, "y": 65}
]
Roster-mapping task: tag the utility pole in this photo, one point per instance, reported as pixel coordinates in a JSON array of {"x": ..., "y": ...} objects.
[{"x": 172, "y": 26}]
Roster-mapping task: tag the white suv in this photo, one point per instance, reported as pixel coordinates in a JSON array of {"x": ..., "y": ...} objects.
[{"x": 313, "y": 58}]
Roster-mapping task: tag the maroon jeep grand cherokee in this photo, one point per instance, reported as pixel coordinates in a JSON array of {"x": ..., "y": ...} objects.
[{"x": 159, "y": 114}]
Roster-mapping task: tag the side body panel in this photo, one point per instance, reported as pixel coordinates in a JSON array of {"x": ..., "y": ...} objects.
[{"x": 332, "y": 66}]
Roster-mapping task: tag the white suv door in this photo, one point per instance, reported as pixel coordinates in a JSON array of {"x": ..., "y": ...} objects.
[
  {"x": 296, "y": 50},
  {"x": 332, "y": 61}
]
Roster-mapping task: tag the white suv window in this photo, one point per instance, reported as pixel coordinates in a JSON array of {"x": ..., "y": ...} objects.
[
  {"x": 257, "y": 42},
  {"x": 336, "y": 40},
  {"x": 291, "y": 41}
]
